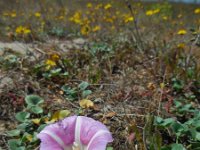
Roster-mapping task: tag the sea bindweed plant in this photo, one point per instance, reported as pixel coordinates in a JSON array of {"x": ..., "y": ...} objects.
[{"x": 75, "y": 133}]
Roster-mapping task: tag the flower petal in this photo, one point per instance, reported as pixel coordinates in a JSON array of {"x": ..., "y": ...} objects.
[
  {"x": 91, "y": 128},
  {"x": 60, "y": 134},
  {"x": 48, "y": 143},
  {"x": 100, "y": 140},
  {"x": 69, "y": 124}
]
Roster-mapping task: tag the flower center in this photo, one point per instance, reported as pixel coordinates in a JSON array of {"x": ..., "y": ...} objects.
[{"x": 76, "y": 146}]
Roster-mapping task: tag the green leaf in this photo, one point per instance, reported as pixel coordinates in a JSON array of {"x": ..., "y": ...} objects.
[
  {"x": 186, "y": 107},
  {"x": 24, "y": 126},
  {"x": 33, "y": 100},
  {"x": 166, "y": 148},
  {"x": 177, "y": 147},
  {"x": 71, "y": 93},
  {"x": 196, "y": 124},
  {"x": 177, "y": 104},
  {"x": 83, "y": 85},
  {"x": 158, "y": 120},
  {"x": 168, "y": 122},
  {"x": 22, "y": 116},
  {"x": 65, "y": 74},
  {"x": 15, "y": 144},
  {"x": 85, "y": 93},
  {"x": 34, "y": 137},
  {"x": 13, "y": 133},
  {"x": 177, "y": 84},
  {"x": 178, "y": 128},
  {"x": 109, "y": 148},
  {"x": 197, "y": 136},
  {"x": 195, "y": 145},
  {"x": 41, "y": 127},
  {"x": 55, "y": 72},
  {"x": 36, "y": 109}
]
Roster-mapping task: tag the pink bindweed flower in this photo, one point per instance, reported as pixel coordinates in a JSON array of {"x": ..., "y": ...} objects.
[{"x": 75, "y": 133}]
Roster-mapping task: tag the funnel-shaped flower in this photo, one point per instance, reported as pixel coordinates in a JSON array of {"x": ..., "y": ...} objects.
[{"x": 75, "y": 133}]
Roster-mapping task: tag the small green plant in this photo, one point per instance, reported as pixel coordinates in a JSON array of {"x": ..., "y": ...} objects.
[
  {"x": 177, "y": 84},
  {"x": 31, "y": 121},
  {"x": 74, "y": 93},
  {"x": 57, "y": 31},
  {"x": 180, "y": 135},
  {"x": 54, "y": 73},
  {"x": 24, "y": 136},
  {"x": 99, "y": 48},
  {"x": 49, "y": 72},
  {"x": 9, "y": 61}
]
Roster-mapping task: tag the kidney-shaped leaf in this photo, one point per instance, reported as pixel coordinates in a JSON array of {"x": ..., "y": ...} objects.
[
  {"x": 36, "y": 109},
  {"x": 33, "y": 100},
  {"x": 13, "y": 133},
  {"x": 22, "y": 116}
]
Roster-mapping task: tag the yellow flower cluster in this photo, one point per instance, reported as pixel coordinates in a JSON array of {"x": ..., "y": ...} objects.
[
  {"x": 128, "y": 18},
  {"x": 10, "y": 14},
  {"x": 76, "y": 18},
  {"x": 22, "y": 30}
]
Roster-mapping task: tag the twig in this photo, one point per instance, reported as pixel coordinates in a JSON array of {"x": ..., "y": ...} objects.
[
  {"x": 135, "y": 24},
  {"x": 39, "y": 50},
  {"x": 136, "y": 115}
]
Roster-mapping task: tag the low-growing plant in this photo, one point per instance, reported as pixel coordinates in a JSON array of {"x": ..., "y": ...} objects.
[
  {"x": 31, "y": 121},
  {"x": 76, "y": 93}
]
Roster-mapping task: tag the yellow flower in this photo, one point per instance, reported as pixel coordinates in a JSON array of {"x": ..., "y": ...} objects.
[
  {"x": 61, "y": 17},
  {"x": 110, "y": 20},
  {"x": 13, "y": 14},
  {"x": 55, "y": 57},
  {"x": 89, "y": 5},
  {"x": 181, "y": 32},
  {"x": 165, "y": 17},
  {"x": 96, "y": 28},
  {"x": 49, "y": 64},
  {"x": 22, "y": 30},
  {"x": 197, "y": 11},
  {"x": 37, "y": 14},
  {"x": 107, "y": 6},
  {"x": 181, "y": 45},
  {"x": 152, "y": 12},
  {"x": 85, "y": 29},
  {"x": 27, "y": 31},
  {"x": 156, "y": 11},
  {"x": 128, "y": 18},
  {"x": 76, "y": 18},
  {"x": 149, "y": 12},
  {"x": 98, "y": 6},
  {"x": 19, "y": 30}
]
